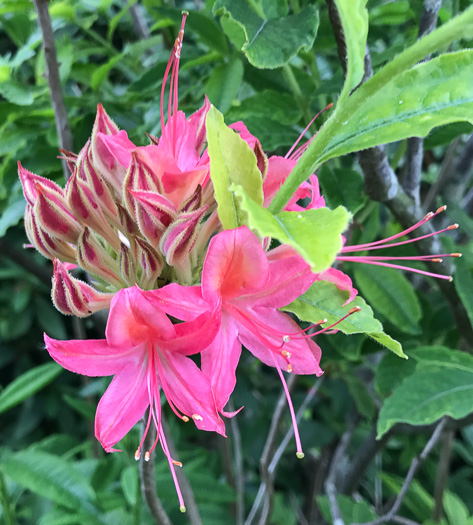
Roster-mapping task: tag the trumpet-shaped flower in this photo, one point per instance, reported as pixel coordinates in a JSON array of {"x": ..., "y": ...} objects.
[{"x": 145, "y": 353}]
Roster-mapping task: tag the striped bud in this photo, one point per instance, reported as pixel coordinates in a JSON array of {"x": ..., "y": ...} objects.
[
  {"x": 154, "y": 213},
  {"x": 93, "y": 257},
  {"x": 29, "y": 180},
  {"x": 150, "y": 262},
  {"x": 197, "y": 120},
  {"x": 46, "y": 245},
  {"x": 180, "y": 237},
  {"x": 72, "y": 296},
  {"x": 127, "y": 265},
  {"x": 193, "y": 202}
]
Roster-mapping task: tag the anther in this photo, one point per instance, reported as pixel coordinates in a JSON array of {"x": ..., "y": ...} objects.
[
  {"x": 437, "y": 260},
  {"x": 289, "y": 368},
  {"x": 441, "y": 209},
  {"x": 429, "y": 215},
  {"x": 196, "y": 417},
  {"x": 285, "y": 353},
  {"x": 182, "y": 508},
  {"x": 322, "y": 321},
  {"x": 286, "y": 339},
  {"x": 147, "y": 456},
  {"x": 137, "y": 454},
  {"x": 300, "y": 455},
  {"x": 456, "y": 254},
  {"x": 354, "y": 310},
  {"x": 185, "y": 419},
  {"x": 176, "y": 463},
  {"x": 452, "y": 227}
]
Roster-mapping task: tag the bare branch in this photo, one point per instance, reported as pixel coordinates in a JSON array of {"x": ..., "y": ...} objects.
[
  {"x": 148, "y": 481},
  {"x": 139, "y": 23},
  {"x": 416, "y": 462},
  {"x": 443, "y": 469},
  {"x": 239, "y": 474},
  {"x": 54, "y": 82},
  {"x": 415, "y": 145},
  {"x": 187, "y": 492},
  {"x": 330, "y": 482},
  {"x": 279, "y": 453}
]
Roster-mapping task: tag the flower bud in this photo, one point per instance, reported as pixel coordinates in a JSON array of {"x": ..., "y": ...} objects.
[
  {"x": 150, "y": 262},
  {"x": 154, "y": 213},
  {"x": 93, "y": 257},
  {"x": 72, "y": 296},
  {"x": 127, "y": 265},
  {"x": 197, "y": 120},
  {"x": 179, "y": 238},
  {"x": 70, "y": 158},
  {"x": 54, "y": 216},
  {"x": 44, "y": 243},
  {"x": 29, "y": 180}
]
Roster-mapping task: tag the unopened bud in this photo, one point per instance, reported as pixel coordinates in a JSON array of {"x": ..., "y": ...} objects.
[
  {"x": 29, "y": 180},
  {"x": 193, "y": 202},
  {"x": 127, "y": 265},
  {"x": 93, "y": 257},
  {"x": 149, "y": 260}
]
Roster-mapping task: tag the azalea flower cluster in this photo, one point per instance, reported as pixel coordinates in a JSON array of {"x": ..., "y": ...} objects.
[{"x": 143, "y": 222}]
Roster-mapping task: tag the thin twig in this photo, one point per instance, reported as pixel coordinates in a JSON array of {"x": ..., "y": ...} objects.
[
  {"x": 188, "y": 494},
  {"x": 416, "y": 462},
  {"x": 415, "y": 145},
  {"x": 330, "y": 482},
  {"x": 443, "y": 469},
  {"x": 238, "y": 462},
  {"x": 139, "y": 23},
  {"x": 148, "y": 481},
  {"x": 280, "y": 451},
  {"x": 54, "y": 81}
]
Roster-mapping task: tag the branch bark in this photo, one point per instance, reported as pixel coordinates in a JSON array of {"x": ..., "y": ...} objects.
[{"x": 52, "y": 76}]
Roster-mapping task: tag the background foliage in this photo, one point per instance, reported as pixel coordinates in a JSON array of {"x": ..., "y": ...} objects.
[{"x": 115, "y": 52}]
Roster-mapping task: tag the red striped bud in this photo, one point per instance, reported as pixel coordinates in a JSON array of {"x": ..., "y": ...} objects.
[
  {"x": 93, "y": 257},
  {"x": 154, "y": 213},
  {"x": 150, "y": 262},
  {"x": 180, "y": 237},
  {"x": 193, "y": 202},
  {"x": 197, "y": 120},
  {"x": 72, "y": 296},
  {"x": 54, "y": 216},
  {"x": 127, "y": 265},
  {"x": 29, "y": 180}
]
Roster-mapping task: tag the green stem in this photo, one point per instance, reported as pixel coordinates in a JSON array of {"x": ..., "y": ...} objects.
[
  {"x": 319, "y": 150},
  {"x": 7, "y": 510},
  {"x": 296, "y": 91}
]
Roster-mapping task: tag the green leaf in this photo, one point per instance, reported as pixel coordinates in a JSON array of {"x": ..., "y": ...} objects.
[
  {"x": 441, "y": 385},
  {"x": 352, "y": 511},
  {"x": 342, "y": 187},
  {"x": 12, "y": 216},
  {"x": 224, "y": 83},
  {"x": 100, "y": 74},
  {"x": 455, "y": 510},
  {"x": 324, "y": 300},
  {"x": 315, "y": 234},
  {"x": 391, "y": 372},
  {"x": 16, "y": 93},
  {"x": 129, "y": 482},
  {"x": 49, "y": 476},
  {"x": 363, "y": 400},
  {"x": 28, "y": 384},
  {"x": 391, "y": 293},
  {"x": 354, "y": 17},
  {"x": 267, "y": 42},
  {"x": 231, "y": 161}
]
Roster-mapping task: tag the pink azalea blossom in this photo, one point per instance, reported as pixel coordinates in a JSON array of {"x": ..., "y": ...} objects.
[{"x": 145, "y": 353}]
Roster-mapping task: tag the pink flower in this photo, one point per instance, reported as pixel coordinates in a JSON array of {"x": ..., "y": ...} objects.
[
  {"x": 244, "y": 288},
  {"x": 146, "y": 353}
]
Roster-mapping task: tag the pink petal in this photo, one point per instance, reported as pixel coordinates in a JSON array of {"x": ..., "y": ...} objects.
[
  {"x": 183, "y": 302},
  {"x": 92, "y": 357},
  {"x": 220, "y": 359},
  {"x": 235, "y": 264},
  {"x": 115, "y": 148},
  {"x": 305, "y": 354},
  {"x": 134, "y": 318},
  {"x": 189, "y": 390},
  {"x": 122, "y": 406}
]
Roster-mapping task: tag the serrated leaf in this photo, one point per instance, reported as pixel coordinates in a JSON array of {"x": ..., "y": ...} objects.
[
  {"x": 231, "y": 161},
  {"x": 267, "y": 42},
  {"x": 49, "y": 476},
  {"x": 315, "y": 234},
  {"x": 441, "y": 385},
  {"x": 354, "y": 18},
  {"x": 28, "y": 384},
  {"x": 324, "y": 300},
  {"x": 391, "y": 294}
]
